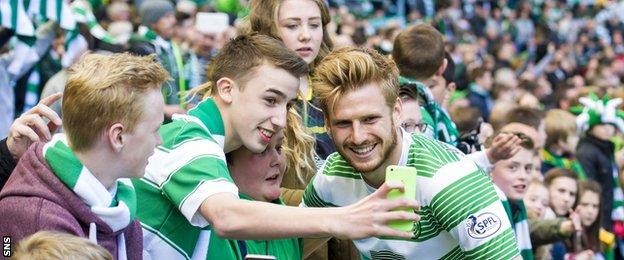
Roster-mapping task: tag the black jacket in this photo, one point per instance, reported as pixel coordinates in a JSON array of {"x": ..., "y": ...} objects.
[
  {"x": 597, "y": 158},
  {"x": 7, "y": 163}
]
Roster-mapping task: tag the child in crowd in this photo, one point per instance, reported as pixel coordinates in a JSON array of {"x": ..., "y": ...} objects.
[
  {"x": 562, "y": 186},
  {"x": 561, "y": 141},
  {"x": 536, "y": 200},
  {"x": 544, "y": 229},
  {"x": 511, "y": 177},
  {"x": 258, "y": 177},
  {"x": 589, "y": 210}
]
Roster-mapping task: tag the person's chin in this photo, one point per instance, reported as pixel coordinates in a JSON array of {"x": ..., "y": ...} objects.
[
  {"x": 255, "y": 147},
  {"x": 366, "y": 166},
  {"x": 273, "y": 194}
]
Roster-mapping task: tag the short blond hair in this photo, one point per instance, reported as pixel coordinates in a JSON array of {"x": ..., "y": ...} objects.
[
  {"x": 45, "y": 245},
  {"x": 348, "y": 69},
  {"x": 560, "y": 124},
  {"x": 106, "y": 89}
]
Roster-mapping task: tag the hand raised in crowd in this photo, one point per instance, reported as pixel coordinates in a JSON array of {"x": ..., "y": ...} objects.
[
  {"x": 370, "y": 216},
  {"x": 572, "y": 225},
  {"x": 504, "y": 146},
  {"x": 36, "y": 124}
]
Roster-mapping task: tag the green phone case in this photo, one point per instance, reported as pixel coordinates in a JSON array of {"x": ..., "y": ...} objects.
[{"x": 406, "y": 175}]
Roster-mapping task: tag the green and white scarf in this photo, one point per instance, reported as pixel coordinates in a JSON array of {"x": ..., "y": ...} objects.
[
  {"x": 561, "y": 162},
  {"x": 117, "y": 208},
  {"x": 444, "y": 129},
  {"x": 516, "y": 212}
]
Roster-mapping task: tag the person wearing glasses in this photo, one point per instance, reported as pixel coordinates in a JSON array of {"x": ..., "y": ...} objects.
[{"x": 503, "y": 147}]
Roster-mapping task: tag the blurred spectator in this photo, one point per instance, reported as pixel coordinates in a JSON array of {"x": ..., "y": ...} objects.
[{"x": 56, "y": 246}]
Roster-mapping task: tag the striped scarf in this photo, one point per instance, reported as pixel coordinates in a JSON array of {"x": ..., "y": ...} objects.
[
  {"x": 617, "y": 212},
  {"x": 83, "y": 13},
  {"x": 22, "y": 16},
  {"x": 444, "y": 128},
  {"x": 516, "y": 212},
  {"x": 561, "y": 162},
  {"x": 116, "y": 210}
]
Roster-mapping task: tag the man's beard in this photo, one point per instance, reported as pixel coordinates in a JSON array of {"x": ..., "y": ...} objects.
[{"x": 385, "y": 153}]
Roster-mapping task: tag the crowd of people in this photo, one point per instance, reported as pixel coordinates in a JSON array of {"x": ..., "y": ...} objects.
[{"x": 226, "y": 129}]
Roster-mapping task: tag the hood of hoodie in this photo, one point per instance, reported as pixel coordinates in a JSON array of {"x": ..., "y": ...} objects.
[{"x": 33, "y": 177}]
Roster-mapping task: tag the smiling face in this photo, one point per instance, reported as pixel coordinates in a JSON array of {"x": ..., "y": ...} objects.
[
  {"x": 562, "y": 195},
  {"x": 363, "y": 128},
  {"x": 259, "y": 175},
  {"x": 300, "y": 27},
  {"x": 512, "y": 175},
  {"x": 258, "y": 109}
]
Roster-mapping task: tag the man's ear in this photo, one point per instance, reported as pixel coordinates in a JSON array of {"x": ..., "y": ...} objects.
[
  {"x": 327, "y": 125},
  {"x": 442, "y": 68},
  {"x": 115, "y": 138},
  {"x": 397, "y": 110},
  {"x": 224, "y": 89}
]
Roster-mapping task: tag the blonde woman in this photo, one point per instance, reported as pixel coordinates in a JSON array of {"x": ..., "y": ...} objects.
[{"x": 302, "y": 27}]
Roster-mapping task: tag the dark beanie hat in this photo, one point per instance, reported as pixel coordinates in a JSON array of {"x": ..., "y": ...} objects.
[{"x": 152, "y": 10}]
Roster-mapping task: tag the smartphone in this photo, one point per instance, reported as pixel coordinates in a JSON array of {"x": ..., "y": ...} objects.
[
  {"x": 259, "y": 257},
  {"x": 407, "y": 176}
]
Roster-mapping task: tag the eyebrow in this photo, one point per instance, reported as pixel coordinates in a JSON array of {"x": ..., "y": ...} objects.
[
  {"x": 299, "y": 19},
  {"x": 277, "y": 92}
]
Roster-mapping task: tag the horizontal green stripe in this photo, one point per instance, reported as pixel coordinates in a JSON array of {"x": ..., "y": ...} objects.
[
  {"x": 456, "y": 253},
  {"x": 184, "y": 181},
  {"x": 312, "y": 199},
  {"x": 500, "y": 247}
]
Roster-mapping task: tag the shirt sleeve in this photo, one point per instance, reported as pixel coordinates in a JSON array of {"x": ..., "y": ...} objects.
[
  {"x": 189, "y": 173},
  {"x": 465, "y": 204},
  {"x": 480, "y": 158}
]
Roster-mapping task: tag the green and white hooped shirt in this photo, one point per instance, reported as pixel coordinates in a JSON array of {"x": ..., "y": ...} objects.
[
  {"x": 461, "y": 214},
  {"x": 186, "y": 169}
]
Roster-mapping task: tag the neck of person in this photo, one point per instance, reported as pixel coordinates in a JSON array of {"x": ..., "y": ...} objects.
[
  {"x": 304, "y": 87},
  {"x": 378, "y": 176},
  {"x": 428, "y": 82},
  {"x": 98, "y": 161},
  {"x": 232, "y": 141},
  {"x": 556, "y": 150}
]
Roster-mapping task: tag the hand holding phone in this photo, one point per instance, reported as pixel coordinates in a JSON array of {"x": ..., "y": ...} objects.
[{"x": 407, "y": 176}]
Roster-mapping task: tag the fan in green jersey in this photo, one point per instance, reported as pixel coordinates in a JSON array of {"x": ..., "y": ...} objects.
[{"x": 461, "y": 216}]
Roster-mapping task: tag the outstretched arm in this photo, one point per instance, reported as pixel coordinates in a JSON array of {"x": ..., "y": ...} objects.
[{"x": 239, "y": 219}]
